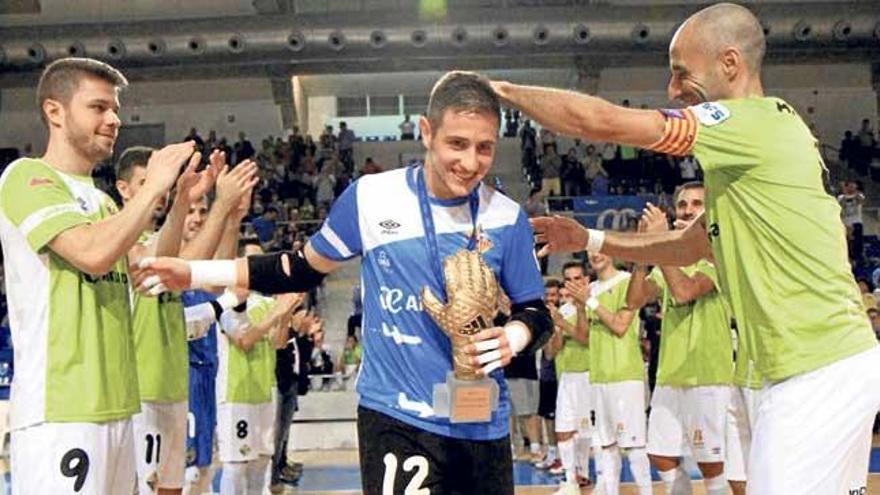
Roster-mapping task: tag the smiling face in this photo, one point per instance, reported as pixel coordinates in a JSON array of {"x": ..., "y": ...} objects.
[
  {"x": 89, "y": 120},
  {"x": 460, "y": 151},
  {"x": 690, "y": 203}
]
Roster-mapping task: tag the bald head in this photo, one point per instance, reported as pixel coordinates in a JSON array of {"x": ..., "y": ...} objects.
[{"x": 727, "y": 25}]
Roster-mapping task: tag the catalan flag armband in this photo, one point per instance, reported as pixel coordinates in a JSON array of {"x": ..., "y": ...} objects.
[{"x": 679, "y": 134}]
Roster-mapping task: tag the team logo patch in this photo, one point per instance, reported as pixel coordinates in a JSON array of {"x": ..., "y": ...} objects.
[
  {"x": 383, "y": 260},
  {"x": 711, "y": 113},
  {"x": 389, "y": 224},
  {"x": 40, "y": 181}
]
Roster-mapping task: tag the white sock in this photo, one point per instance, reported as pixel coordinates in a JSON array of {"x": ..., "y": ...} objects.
[
  {"x": 582, "y": 454},
  {"x": 567, "y": 456},
  {"x": 676, "y": 481},
  {"x": 609, "y": 459},
  {"x": 535, "y": 448},
  {"x": 716, "y": 485},
  {"x": 551, "y": 452},
  {"x": 232, "y": 479},
  {"x": 641, "y": 469},
  {"x": 256, "y": 474}
]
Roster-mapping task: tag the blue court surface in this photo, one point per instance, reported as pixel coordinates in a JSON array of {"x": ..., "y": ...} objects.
[{"x": 344, "y": 478}]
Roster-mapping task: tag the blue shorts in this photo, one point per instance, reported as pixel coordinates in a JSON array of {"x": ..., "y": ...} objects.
[{"x": 202, "y": 417}]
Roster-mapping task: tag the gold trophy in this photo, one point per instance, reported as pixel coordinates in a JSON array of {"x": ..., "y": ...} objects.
[{"x": 472, "y": 301}]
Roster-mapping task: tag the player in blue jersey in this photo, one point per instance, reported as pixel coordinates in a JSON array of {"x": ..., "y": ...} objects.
[{"x": 402, "y": 223}]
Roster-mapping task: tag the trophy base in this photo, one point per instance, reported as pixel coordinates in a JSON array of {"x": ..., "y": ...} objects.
[{"x": 466, "y": 401}]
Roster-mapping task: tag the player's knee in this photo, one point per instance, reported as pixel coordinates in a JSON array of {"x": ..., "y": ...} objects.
[
  {"x": 711, "y": 469},
  {"x": 663, "y": 463},
  {"x": 562, "y": 436}
]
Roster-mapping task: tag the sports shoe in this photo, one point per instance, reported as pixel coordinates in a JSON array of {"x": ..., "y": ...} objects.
[
  {"x": 556, "y": 468},
  {"x": 567, "y": 489},
  {"x": 546, "y": 462},
  {"x": 583, "y": 481}
]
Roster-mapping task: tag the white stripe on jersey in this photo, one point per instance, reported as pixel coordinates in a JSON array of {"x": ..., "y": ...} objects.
[
  {"x": 335, "y": 241},
  {"x": 38, "y": 217}
]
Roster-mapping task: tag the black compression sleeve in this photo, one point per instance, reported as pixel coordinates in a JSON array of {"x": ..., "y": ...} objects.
[
  {"x": 535, "y": 316},
  {"x": 266, "y": 273}
]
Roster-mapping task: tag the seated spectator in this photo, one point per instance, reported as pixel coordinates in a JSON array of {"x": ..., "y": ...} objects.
[
  {"x": 867, "y": 294},
  {"x": 600, "y": 186},
  {"x": 264, "y": 225},
  {"x": 874, "y": 315},
  {"x": 407, "y": 129},
  {"x": 243, "y": 148},
  {"x": 548, "y": 140},
  {"x": 351, "y": 357},
  {"x": 370, "y": 167},
  {"x": 325, "y": 187}
]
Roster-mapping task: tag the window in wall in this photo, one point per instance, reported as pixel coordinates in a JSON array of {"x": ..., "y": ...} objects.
[
  {"x": 384, "y": 105},
  {"x": 351, "y": 106},
  {"x": 415, "y": 105}
]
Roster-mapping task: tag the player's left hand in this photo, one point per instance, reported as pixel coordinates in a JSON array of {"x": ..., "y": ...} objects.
[{"x": 489, "y": 350}]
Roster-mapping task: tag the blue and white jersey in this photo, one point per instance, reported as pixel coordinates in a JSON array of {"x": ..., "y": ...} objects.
[
  {"x": 405, "y": 352},
  {"x": 202, "y": 352}
]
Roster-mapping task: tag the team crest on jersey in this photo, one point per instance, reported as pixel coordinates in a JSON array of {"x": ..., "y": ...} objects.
[
  {"x": 383, "y": 260},
  {"x": 710, "y": 113},
  {"x": 484, "y": 243},
  {"x": 40, "y": 181}
]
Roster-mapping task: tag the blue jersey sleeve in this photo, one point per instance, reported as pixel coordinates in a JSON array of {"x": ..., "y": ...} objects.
[
  {"x": 339, "y": 238},
  {"x": 520, "y": 275}
]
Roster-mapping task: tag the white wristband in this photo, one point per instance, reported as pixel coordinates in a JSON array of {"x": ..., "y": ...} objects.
[
  {"x": 592, "y": 303},
  {"x": 228, "y": 300},
  {"x": 212, "y": 273},
  {"x": 595, "y": 241},
  {"x": 517, "y": 336}
]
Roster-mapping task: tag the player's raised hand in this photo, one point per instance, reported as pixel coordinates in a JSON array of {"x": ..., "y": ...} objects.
[
  {"x": 579, "y": 291},
  {"x": 560, "y": 234},
  {"x": 164, "y": 166},
  {"x": 654, "y": 219},
  {"x": 235, "y": 183}
]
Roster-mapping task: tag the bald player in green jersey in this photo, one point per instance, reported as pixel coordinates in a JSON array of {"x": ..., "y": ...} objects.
[
  {"x": 690, "y": 401},
  {"x": 776, "y": 237},
  {"x": 65, "y": 245}
]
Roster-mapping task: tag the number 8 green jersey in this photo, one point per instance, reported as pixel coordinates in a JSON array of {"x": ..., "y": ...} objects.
[
  {"x": 72, "y": 333},
  {"x": 776, "y": 234}
]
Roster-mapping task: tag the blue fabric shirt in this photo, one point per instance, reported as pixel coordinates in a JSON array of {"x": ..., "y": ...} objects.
[
  {"x": 202, "y": 352},
  {"x": 405, "y": 353}
]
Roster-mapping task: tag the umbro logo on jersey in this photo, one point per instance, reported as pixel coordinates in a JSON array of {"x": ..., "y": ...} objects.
[{"x": 389, "y": 224}]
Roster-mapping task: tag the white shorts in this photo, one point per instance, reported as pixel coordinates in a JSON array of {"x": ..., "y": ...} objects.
[
  {"x": 574, "y": 401},
  {"x": 73, "y": 458},
  {"x": 620, "y": 413},
  {"x": 693, "y": 417},
  {"x": 160, "y": 445},
  {"x": 239, "y": 431},
  {"x": 267, "y": 425},
  {"x": 813, "y": 431},
  {"x": 741, "y": 414}
]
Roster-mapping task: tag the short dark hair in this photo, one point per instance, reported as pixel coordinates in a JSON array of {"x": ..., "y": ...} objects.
[
  {"x": 552, "y": 282},
  {"x": 248, "y": 241},
  {"x": 463, "y": 91},
  {"x": 694, "y": 184},
  {"x": 60, "y": 79},
  {"x": 574, "y": 264},
  {"x": 135, "y": 156}
]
